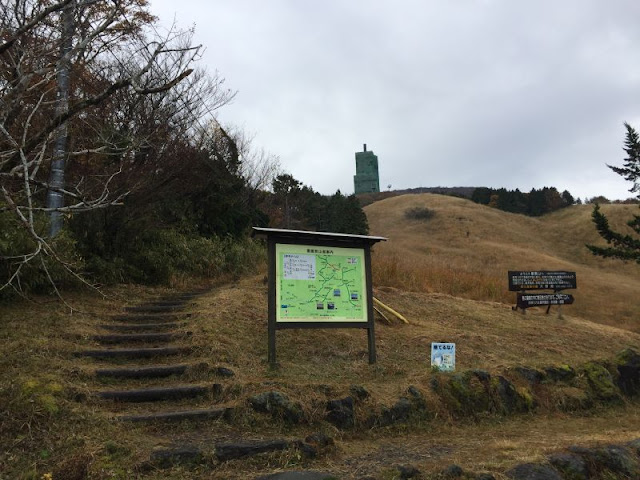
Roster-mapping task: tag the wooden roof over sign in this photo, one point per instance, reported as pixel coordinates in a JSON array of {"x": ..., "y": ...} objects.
[{"x": 310, "y": 236}]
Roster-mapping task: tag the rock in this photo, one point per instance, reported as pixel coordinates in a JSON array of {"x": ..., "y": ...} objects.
[
  {"x": 230, "y": 451},
  {"x": 485, "y": 476},
  {"x": 298, "y": 475},
  {"x": 560, "y": 373},
  {"x": 511, "y": 399},
  {"x": 533, "y": 471},
  {"x": 308, "y": 450},
  {"x": 613, "y": 458},
  {"x": 398, "y": 413},
  {"x": 170, "y": 456},
  {"x": 417, "y": 398},
  {"x": 531, "y": 375},
  {"x": 601, "y": 383},
  {"x": 481, "y": 375},
  {"x": 408, "y": 471},
  {"x": 340, "y": 413},
  {"x": 634, "y": 445},
  {"x": 571, "y": 466},
  {"x": 278, "y": 405},
  {"x": 224, "y": 372},
  {"x": 359, "y": 392},
  {"x": 315, "y": 444},
  {"x": 617, "y": 459},
  {"x": 628, "y": 364},
  {"x": 453, "y": 471},
  {"x": 319, "y": 439},
  {"x": 467, "y": 393}
]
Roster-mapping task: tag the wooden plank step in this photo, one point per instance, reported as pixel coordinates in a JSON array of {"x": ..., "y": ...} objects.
[
  {"x": 138, "y": 337},
  {"x": 140, "y": 327},
  {"x": 207, "y": 414},
  {"x": 156, "y": 317},
  {"x": 154, "y": 394},
  {"x": 154, "y": 308},
  {"x": 153, "y": 371},
  {"x": 164, "y": 303},
  {"x": 134, "y": 352}
]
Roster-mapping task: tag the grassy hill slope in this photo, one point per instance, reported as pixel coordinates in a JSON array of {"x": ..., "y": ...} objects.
[
  {"x": 452, "y": 286},
  {"x": 466, "y": 250}
]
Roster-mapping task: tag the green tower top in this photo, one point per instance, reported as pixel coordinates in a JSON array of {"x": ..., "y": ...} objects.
[{"x": 366, "y": 179}]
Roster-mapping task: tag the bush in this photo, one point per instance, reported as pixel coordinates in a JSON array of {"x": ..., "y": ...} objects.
[
  {"x": 16, "y": 243},
  {"x": 419, "y": 213},
  {"x": 158, "y": 256}
]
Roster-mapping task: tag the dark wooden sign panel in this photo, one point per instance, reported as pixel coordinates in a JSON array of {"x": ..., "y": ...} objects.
[
  {"x": 526, "y": 300},
  {"x": 541, "y": 280}
]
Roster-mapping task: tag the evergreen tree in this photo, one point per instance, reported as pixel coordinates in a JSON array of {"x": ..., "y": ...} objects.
[{"x": 623, "y": 247}]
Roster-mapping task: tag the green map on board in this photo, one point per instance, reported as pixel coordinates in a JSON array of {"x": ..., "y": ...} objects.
[{"x": 316, "y": 284}]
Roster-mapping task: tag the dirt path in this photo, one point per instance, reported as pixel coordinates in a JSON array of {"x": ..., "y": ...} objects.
[{"x": 490, "y": 445}]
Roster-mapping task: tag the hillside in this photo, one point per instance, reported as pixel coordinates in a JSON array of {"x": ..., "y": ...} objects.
[
  {"x": 466, "y": 250},
  {"x": 197, "y": 393}
]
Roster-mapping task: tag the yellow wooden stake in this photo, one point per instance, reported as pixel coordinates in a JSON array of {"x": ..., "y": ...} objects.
[{"x": 389, "y": 309}]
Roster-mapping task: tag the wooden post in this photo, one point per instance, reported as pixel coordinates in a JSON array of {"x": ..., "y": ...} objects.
[
  {"x": 271, "y": 262},
  {"x": 371, "y": 335}
]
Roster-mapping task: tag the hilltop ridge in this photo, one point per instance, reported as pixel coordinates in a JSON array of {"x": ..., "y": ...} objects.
[{"x": 465, "y": 249}]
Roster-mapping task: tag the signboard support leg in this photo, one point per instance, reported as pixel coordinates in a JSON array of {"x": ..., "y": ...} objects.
[
  {"x": 271, "y": 345},
  {"x": 372, "y": 345},
  {"x": 371, "y": 335}
]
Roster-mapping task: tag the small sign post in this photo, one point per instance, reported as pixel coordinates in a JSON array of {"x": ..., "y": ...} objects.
[
  {"x": 318, "y": 280},
  {"x": 443, "y": 356}
]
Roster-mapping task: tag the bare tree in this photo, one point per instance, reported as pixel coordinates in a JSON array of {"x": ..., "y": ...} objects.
[
  {"x": 257, "y": 166},
  {"x": 68, "y": 68}
]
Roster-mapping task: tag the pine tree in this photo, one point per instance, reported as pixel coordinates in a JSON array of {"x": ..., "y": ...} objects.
[{"x": 623, "y": 247}]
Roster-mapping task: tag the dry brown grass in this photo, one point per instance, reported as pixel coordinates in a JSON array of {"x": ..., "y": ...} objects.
[
  {"x": 467, "y": 249},
  {"x": 451, "y": 287}
]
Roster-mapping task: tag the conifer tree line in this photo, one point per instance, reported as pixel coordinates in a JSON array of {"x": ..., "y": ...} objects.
[
  {"x": 113, "y": 165},
  {"x": 534, "y": 203}
]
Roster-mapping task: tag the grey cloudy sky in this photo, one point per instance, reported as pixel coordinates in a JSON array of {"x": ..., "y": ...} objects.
[{"x": 498, "y": 93}]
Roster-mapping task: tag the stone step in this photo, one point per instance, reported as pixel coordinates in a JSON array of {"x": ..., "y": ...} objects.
[
  {"x": 134, "y": 352},
  {"x": 154, "y": 308},
  {"x": 140, "y": 327},
  {"x": 152, "y": 371},
  {"x": 139, "y": 337},
  {"x": 205, "y": 414},
  {"x": 154, "y": 394}
]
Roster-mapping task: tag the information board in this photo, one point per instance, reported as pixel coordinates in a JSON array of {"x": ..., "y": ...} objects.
[
  {"x": 526, "y": 300},
  {"x": 541, "y": 280},
  {"x": 320, "y": 284}
]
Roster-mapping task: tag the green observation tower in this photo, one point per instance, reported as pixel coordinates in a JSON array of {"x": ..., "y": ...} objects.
[{"x": 366, "y": 179}]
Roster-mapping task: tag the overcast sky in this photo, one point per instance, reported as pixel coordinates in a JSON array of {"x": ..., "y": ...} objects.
[{"x": 497, "y": 93}]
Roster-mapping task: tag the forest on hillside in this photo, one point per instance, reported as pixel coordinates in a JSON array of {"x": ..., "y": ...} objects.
[{"x": 113, "y": 164}]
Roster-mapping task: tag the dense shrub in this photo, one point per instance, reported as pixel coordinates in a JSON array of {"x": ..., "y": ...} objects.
[
  {"x": 36, "y": 275},
  {"x": 158, "y": 256},
  {"x": 419, "y": 213}
]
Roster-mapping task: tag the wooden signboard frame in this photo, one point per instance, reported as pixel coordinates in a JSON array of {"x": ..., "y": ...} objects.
[
  {"x": 521, "y": 281},
  {"x": 281, "y": 237}
]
